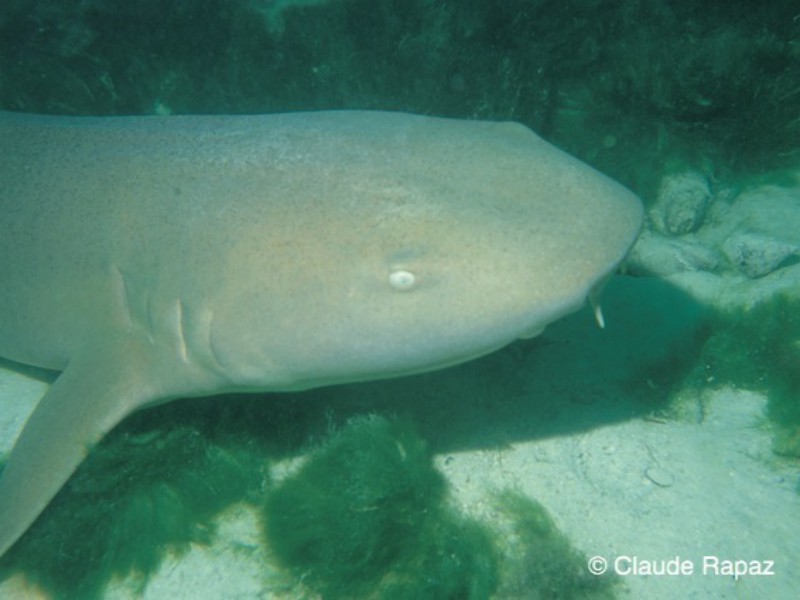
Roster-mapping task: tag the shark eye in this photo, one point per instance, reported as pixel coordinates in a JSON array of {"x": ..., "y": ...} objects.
[{"x": 402, "y": 280}]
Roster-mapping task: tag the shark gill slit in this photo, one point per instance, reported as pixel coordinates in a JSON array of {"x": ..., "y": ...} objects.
[
  {"x": 148, "y": 315},
  {"x": 124, "y": 295},
  {"x": 181, "y": 330},
  {"x": 210, "y": 341}
]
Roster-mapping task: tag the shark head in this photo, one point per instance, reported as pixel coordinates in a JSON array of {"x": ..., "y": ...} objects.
[{"x": 463, "y": 238}]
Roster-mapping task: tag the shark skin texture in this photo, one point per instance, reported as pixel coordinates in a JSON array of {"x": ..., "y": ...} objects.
[{"x": 152, "y": 258}]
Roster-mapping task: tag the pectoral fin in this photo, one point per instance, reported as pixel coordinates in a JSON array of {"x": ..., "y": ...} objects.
[{"x": 87, "y": 400}]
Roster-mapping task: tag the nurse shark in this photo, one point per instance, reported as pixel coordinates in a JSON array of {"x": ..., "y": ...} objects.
[{"x": 153, "y": 258}]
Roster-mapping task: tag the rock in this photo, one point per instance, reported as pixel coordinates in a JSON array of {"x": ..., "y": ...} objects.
[
  {"x": 770, "y": 210},
  {"x": 756, "y": 255},
  {"x": 681, "y": 203},
  {"x": 746, "y": 251},
  {"x": 656, "y": 254},
  {"x": 759, "y": 232}
]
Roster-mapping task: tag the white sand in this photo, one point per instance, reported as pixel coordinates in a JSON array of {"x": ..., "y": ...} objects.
[{"x": 721, "y": 497}]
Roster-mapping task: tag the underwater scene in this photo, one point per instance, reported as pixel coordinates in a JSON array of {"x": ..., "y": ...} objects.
[{"x": 399, "y": 299}]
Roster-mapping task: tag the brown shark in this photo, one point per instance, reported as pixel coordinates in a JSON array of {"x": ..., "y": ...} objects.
[{"x": 150, "y": 258}]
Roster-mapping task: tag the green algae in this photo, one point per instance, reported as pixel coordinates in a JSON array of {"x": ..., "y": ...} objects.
[
  {"x": 366, "y": 516},
  {"x": 758, "y": 348},
  {"x": 145, "y": 493}
]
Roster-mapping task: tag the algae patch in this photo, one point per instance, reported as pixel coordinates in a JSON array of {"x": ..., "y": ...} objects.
[
  {"x": 368, "y": 516},
  {"x": 144, "y": 493},
  {"x": 759, "y": 349},
  {"x": 365, "y": 516},
  {"x": 755, "y": 348},
  {"x": 540, "y": 560},
  {"x": 367, "y": 512}
]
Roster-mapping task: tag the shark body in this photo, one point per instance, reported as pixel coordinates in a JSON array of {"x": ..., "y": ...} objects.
[{"x": 151, "y": 258}]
